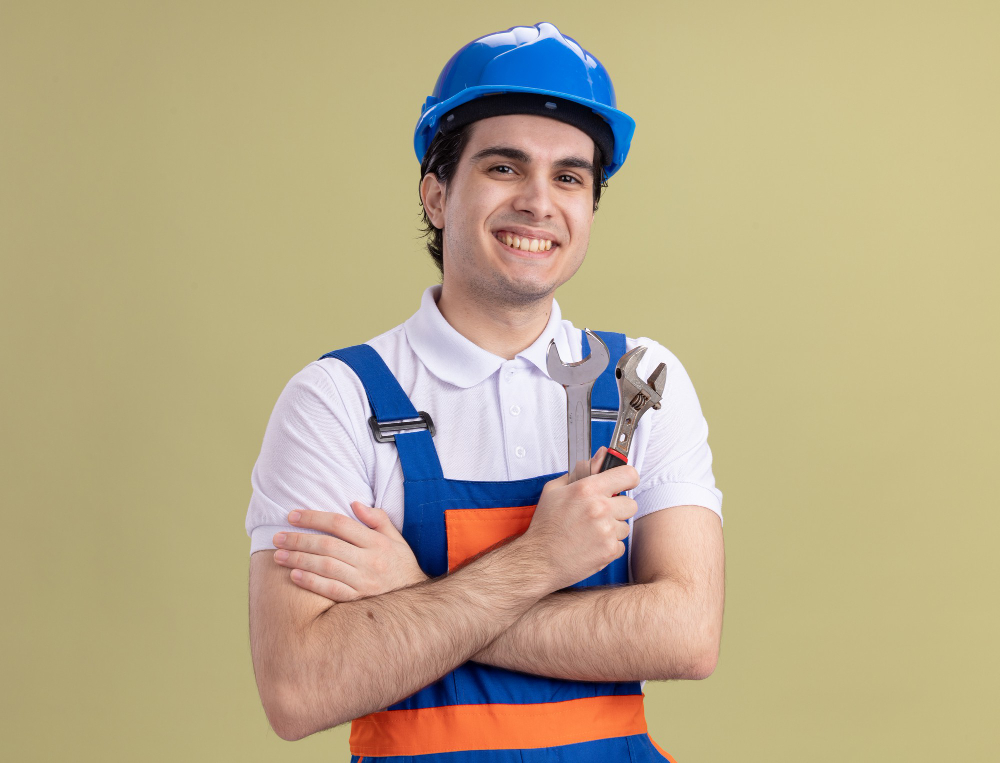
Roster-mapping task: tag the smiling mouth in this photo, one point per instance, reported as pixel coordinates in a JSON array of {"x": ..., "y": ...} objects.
[{"x": 523, "y": 243}]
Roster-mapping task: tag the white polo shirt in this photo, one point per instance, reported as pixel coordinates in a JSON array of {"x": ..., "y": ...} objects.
[{"x": 495, "y": 419}]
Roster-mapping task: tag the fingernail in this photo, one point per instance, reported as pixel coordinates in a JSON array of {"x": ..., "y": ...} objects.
[
  {"x": 279, "y": 539},
  {"x": 296, "y": 574},
  {"x": 281, "y": 555},
  {"x": 294, "y": 517}
]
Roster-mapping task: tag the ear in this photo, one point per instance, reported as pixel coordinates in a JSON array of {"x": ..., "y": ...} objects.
[{"x": 433, "y": 196}]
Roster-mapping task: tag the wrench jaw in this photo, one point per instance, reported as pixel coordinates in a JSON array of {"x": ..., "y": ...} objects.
[
  {"x": 627, "y": 366},
  {"x": 581, "y": 371}
]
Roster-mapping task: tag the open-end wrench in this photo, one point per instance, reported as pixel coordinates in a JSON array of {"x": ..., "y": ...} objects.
[
  {"x": 635, "y": 398},
  {"x": 578, "y": 380}
]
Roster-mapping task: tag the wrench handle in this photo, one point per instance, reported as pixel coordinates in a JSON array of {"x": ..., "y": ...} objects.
[{"x": 612, "y": 459}]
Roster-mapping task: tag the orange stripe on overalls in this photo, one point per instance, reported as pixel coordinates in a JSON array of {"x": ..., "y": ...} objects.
[{"x": 497, "y": 727}]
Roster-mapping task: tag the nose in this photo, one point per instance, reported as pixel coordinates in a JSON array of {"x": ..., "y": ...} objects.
[{"x": 534, "y": 197}]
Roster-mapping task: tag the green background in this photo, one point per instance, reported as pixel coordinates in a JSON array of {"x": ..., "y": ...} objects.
[{"x": 198, "y": 199}]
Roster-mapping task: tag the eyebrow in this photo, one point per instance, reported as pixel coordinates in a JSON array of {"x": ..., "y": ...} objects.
[
  {"x": 517, "y": 155},
  {"x": 575, "y": 162}
]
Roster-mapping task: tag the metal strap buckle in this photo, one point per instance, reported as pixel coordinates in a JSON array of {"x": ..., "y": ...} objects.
[{"x": 385, "y": 431}]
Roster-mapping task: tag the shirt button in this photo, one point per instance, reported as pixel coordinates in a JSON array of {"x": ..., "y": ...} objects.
[
  {"x": 519, "y": 451},
  {"x": 509, "y": 375},
  {"x": 515, "y": 410}
]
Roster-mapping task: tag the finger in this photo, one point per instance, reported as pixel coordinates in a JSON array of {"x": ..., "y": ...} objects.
[
  {"x": 562, "y": 479},
  {"x": 338, "y": 525},
  {"x": 333, "y": 590},
  {"x": 623, "y": 508},
  {"x": 622, "y": 530},
  {"x": 582, "y": 469},
  {"x": 324, "y": 566},
  {"x": 314, "y": 520},
  {"x": 376, "y": 519},
  {"x": 597, "y": 460},
  {"x": 365, "y": 513},
  {"x": 320, "y": 545},
  {"x": 617, "y": 480}
]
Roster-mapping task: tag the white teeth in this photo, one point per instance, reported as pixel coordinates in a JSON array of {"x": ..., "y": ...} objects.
[{"x": 524, "y": 244}]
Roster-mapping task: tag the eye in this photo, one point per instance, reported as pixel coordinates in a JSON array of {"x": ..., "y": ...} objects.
[
  {"x": 502, "y": 169},
  {"x": 568, "y": 179}
]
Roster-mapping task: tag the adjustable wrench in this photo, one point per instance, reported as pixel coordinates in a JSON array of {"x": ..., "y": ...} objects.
[
  {"x": 635, "y": 398},
  {"x": 578, "y": 381}
]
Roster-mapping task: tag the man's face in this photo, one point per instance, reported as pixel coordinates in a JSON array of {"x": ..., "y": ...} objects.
[{"x": 517, "y": 211}]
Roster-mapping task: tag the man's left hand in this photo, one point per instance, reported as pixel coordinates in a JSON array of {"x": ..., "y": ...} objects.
[{"x": 351, "y": 561}]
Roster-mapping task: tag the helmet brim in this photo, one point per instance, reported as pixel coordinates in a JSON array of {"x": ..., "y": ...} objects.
[{"x": 622, "y": 125}]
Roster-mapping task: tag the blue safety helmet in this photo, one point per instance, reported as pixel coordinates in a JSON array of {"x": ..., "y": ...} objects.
[{"x": 526, "y": 59}]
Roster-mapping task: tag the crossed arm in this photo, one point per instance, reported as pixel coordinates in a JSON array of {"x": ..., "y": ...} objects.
[
  {"x": 666, "y": 625},
  {"x": 320, "y": 663}
]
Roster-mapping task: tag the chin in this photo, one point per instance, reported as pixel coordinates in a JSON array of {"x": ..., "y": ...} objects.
[{"x": 500, "y": 290}]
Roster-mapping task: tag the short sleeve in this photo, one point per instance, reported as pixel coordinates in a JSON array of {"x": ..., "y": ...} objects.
[
  {"x": 676, "y": 461},
  {"x": 311, "y": 456}
]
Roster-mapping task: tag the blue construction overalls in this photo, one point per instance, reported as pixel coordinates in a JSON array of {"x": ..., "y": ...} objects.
[{"x": 478, "y": 712}]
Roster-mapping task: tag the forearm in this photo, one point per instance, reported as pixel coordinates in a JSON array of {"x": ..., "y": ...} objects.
[
  {"x": 660, "y": 630},
  {"x": 362, "y": 656}
]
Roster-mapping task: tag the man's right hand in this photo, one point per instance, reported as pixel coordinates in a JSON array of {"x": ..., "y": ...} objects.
[
  {"x": 349, "y": 561},
  {"x": 579, "y": 527}
]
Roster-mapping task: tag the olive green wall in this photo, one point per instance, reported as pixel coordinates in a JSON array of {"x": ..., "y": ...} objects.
[{"x": 198, "y": 198}]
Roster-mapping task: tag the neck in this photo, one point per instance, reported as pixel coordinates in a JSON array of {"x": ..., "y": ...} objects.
[{"x": 503, "y": 331}]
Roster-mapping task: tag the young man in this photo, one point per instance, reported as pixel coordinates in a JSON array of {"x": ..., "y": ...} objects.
[{"x": 490, "y": 609}]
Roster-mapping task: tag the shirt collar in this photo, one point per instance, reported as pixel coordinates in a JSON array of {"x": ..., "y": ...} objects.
[{"x": 459, "y": 361}]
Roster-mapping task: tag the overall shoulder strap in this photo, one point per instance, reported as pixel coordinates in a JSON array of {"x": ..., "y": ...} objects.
[
  {"x": 604, "y": 396},
  {"x": 389, "y": 403}
]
